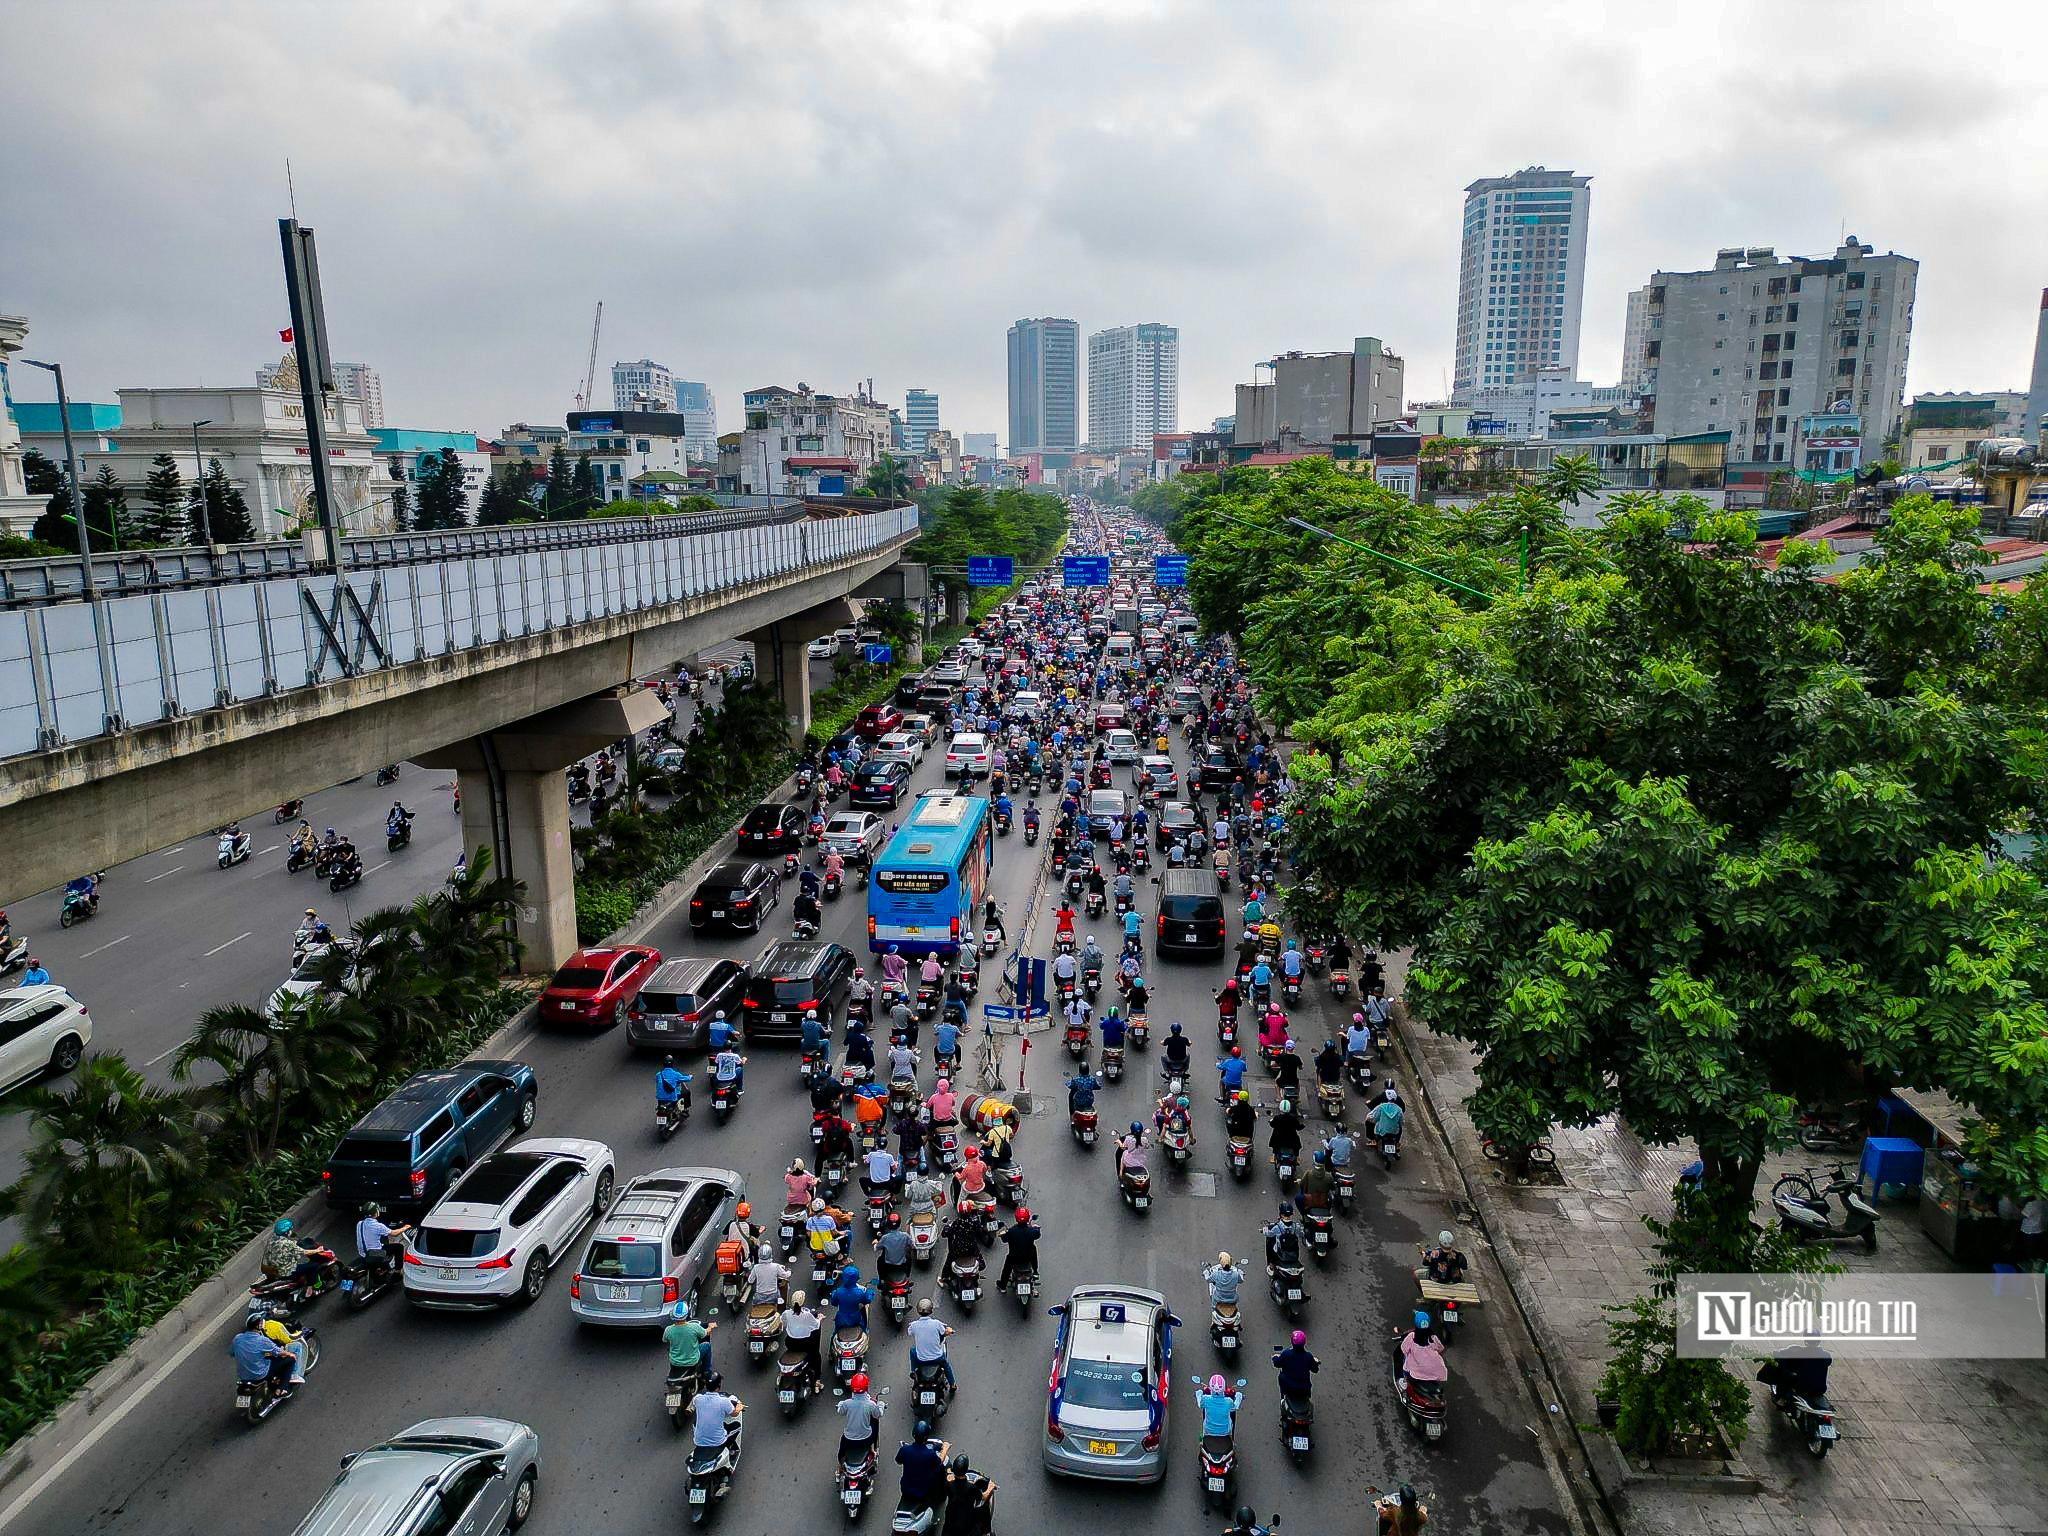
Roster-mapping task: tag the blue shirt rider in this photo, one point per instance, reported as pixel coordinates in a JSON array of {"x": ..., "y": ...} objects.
[
  {"x": 1139, "y": 821},
  {"x": 1290, "y": 962},
  {"x": 851, "y": 1299},
  {"x": 1112, "y": 1031},
  {"x": 1231, "y": 1069},
  {"x": 946, "y": 1038},
  {"x": 814, "y": 1031},
  {"x": 1081, "y": 1091},
  {"x": 1386, "y": 1119},
  {"x": 669, "y": 1084},
  {"x": 721, "y": 1033},
  {"x": 1132, "y": 924},
  {"x": 1262, "y": 974},
  {"x": 1003, "y": 807}
]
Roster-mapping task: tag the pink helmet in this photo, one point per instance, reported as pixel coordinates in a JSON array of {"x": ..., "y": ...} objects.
[
  {"x": 1300, "y": 1338},
  {"x": 1216, "y": 1383}
]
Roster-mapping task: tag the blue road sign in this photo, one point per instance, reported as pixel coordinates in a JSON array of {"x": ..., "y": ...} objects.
[
  {"x": 878, "y": 655},
  {"x": 1084, "y": 570},
  {"x": 990, "y": 570},
  {"x": 1003, "y": 1013},
  {"x": 1031, "y": 983},
  {"x": 1170, "y": 571}
]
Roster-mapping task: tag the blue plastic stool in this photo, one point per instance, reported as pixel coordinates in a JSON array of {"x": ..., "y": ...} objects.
[{"x": 1891, "y": 1160}]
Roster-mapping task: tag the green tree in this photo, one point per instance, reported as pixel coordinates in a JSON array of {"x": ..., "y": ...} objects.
[
  {"x": 1570, "y": 479},
  {"x": 27, "y": 1304},
  {"x": 888, "y": 480},
  {"x": 106, "y": 512},
  {"x": 227, "y": 513},
  {"x": 560, "y": 492},
  {"x": 103, "y": 1147},
  {"x": 162, "y": 518},
  {"x": 300, "y": 1057},
  {"x": 443, "y": 494},
  {"x": 44, "y": 478},
  {"x": 582, "y": 487},
  {"x": 504, "y": 498}
]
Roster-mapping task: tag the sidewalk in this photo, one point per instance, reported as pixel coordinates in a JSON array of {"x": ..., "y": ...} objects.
[{"x": 1956, "y": 1447}]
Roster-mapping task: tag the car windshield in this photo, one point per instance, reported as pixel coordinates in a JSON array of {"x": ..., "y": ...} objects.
[
  {"x": 1105, "y": 1384},
  {"x": 578, "y": 978},
  {"x": 455, "y": 1242},
  {"x": 1190, "y": 909},
  {"x": 623, "y": 1261}
]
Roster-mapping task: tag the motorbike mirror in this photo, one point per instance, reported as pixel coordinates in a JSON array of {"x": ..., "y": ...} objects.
[
  {"x": 1058, "y": 1311},
  {"x": 1240, "y": 1381}
]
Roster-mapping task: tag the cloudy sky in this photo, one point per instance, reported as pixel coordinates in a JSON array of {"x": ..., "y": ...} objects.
[{"x": 767, "y": 191}]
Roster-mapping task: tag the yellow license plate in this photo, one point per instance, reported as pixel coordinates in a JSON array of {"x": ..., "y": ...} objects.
[{"x": 1101, "y": 1447}]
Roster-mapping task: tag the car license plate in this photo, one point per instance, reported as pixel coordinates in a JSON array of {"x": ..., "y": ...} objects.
[
  {"x": 786, "y": 1395},
  {"x": 1141, "y": 1201},
  {"x": 1294, "y": 1293},
  {"x": 852, "y": 1497},
  {"x": 699, "y": 1493},
  {"x": 446, "y": 1274},
  {"x": 1297, "y": 1442},
  {"x": 1433, "y": 1430},
  {"x": 718, "y": 911},
  {"x": 658, "y": 1024},
  {"x": 1101, "y": 1447},
  {"x": 970, "y": 1294},
  {"x": 614, "y": 1293},
  {"x": 1215, "y": 1485}
]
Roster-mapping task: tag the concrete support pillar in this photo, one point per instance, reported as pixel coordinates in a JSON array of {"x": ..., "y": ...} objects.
[{"x": 781, "y": 662}]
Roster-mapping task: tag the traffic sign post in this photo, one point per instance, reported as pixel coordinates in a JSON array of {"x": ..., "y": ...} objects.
[
  {"x": 878, "y": 655},
  {"x": 1084, "y": 570},
  {"x": 990, "y": 570},
  {"x": 1170, "y": 571}
]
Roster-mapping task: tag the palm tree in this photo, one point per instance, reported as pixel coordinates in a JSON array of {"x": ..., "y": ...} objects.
[
  {"x": 467, "y": 926},
  {"x": 1570, "y": 479},
  {"x": 888, "y": 480},
  {"x": 99, "y": 1149},
  {"x": 301, "y": 1055}
]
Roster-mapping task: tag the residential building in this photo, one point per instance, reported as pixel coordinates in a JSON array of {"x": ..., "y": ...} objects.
[
  {"x": 1323, "y": 397},
  {"x": 920, "y": 418},
  {"x": 700, "y": 420},
  {"x": 259, "y": 436},
  {"x": 1942, "y": 428},
  {"x": 1756, "y": 342},
  {"x": 643, "y": 386},
  {"x": 1133, "y": 386},
  {"x": 404, "y": 454},
  {"x": 1635, "y": 340},
  {"x": 625, "y": 444},
  {"x": 1224, "y": 424},
  {"x": 980, "y": 445},
  {"x": 1527, "y": 410},
  {"x": 17, "y": 508},
  {"x": 2037, "y": 389},
  {"x": 528, "y": 445},
  {"x": 941, "y": 458},
  {"x": 1045, "y": 386},
  {"x": 799, "y": 442},
  {"x": 355, "y": 381},
  {"x": 1521, "y": 277}
]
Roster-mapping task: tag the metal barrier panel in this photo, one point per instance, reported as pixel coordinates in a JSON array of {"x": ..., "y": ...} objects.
[{"x": 20, "y": 709}]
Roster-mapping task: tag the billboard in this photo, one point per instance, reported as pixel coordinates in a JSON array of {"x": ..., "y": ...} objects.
[{"x": 1832, "y": 429}]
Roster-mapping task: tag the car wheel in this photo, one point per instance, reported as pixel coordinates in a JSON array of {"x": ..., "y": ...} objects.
[
  {"x": 522, "y": 1500},
  {"x": 604, "y": 1194},
  {"x": 618, "y": 1014},
  {"x": 65, "y": 1057},
  {"x": 534, "y": 1280},
  {"x": 526, "y": 1112}
]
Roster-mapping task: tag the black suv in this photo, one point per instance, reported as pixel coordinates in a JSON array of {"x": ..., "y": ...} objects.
[
  {"x": 771, "y": 828},
  {"x": 879, "y": 784},
  {"x": 736, "y": 895},
  {"x": 1176, "y": 819},
  {"x": 1191, "y": 915},
  {"x": 789, "y": 978},
  {"x": 908, "y": 687},
  {"x": 1219, "y": 771}
]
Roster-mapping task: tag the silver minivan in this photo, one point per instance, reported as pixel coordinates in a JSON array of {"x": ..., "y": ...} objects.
[{"x": 654, "y": 1246}]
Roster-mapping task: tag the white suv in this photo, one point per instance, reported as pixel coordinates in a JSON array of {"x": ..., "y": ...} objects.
[
  {"x": 968, "y": 750},
  {"x": 42, "y": 1029},
  {"x": 507, "y": 1222}
]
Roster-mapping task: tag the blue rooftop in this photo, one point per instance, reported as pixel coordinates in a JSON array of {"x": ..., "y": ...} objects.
[{"x": 40, "y": 416}]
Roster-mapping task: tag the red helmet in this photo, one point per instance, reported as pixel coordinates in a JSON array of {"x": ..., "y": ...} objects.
[
  {"x": 859, "y": 1382},
  {"x": 1236, "y": 1051},
  {"x": 1023, "y": 1214}
]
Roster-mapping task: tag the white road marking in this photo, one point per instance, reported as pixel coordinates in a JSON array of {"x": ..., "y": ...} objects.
[
  {"x": 160, "y": 1055},
  {"x": 235, "y": 940},
  {"x": 152, "y": 879},
  {"x": 375, "y": 867},
  {"x": 108, "y": 945},
  {"x": 168, "y": 852},
  {"x": 271, "y": 849}
]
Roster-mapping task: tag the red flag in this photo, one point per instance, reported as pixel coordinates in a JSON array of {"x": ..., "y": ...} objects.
[{"x": 285, "y": 334}]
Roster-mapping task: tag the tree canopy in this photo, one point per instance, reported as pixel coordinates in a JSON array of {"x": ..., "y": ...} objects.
[{"x": 965, "y": 520}]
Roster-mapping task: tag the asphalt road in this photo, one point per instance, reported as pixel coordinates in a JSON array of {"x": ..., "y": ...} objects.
[{"x": 182, "y": 1463}]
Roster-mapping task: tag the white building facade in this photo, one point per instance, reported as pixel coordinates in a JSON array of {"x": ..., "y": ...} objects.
[
  {"x": 1133, "y": 386},
  {"x": 1521, "y": 277},
  {"x": 800, "y": 442},
  {"x": 644, "y": 386},
  {"x": 18, "y": 510},
  {"x": 357, "y": 381}
]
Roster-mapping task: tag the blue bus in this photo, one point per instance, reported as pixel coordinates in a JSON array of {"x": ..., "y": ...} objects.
[{"x": 929, "y": 883}]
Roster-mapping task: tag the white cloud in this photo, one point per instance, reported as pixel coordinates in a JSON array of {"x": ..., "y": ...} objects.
[{"x": 782, "y": 190}]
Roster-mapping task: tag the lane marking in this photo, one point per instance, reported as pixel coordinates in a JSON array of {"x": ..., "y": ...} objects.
[
  {"x": 108, "y": 945},
  {"x": 375, "y": 867},
  {"x": 169, "y": 852},
  {"x": 271, "y": 849},
  {"x": 160, "y": 1055},
  {"x": 152, "y": 879},
  {"x": 235, "y": 940}
]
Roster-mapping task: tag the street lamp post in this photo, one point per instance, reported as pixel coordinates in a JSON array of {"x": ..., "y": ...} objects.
[
  {"x": 109, "y": 699},
  {"x": 199, "y": 483}
]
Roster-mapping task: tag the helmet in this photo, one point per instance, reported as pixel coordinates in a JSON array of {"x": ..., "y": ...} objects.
[
  {"x": 860, "y": 972},
  {"x": 922, "y": 1429},
  {"x": 1243, "y": 1096},
  {"x": 681, "y": 1310},
  {"x": 1299, "y": 1338},
  {"x": 1286, "y": 1209},
  {"x": 1289, "y": 1045},
  {"x": 1023, "y": 1215},
  {"x": 330, "y": 831},
  {"x": 1181, "y": 1102},
  {"x": 797, "y": 1299},
  {"x": 1290, "y": 943},
  {"x": 1329, "y": 1045},
  {"x": 859, "y": 1382},
  {"x": 1216, "y": 1383},
  {"x": 796, "y": 1165},
  {"x": 924, "y": 1306},
  {"x": 959, "y": 1466},
  {"x": 668, "y": 1061},
  {"x": 809, "y": 1013},
  {"x": 1247, "y": 1516},
  {"x": 892, "y": 949},
  {"x": 1237, "y": 1052},
  {"x": 743, "y": 1210},
  {"x": 256, "y": 1319},
  {"x": 721, "y": 1014},
  {"x": 1322, "y": 1155},
  {"x": 1445, "y": 1239},
  {"x": 283, "y": 1227},
  {"x": 1421, "y": 1321},
  {"x": 1174, "y": 1028},
  {"x": 817, "y": 1206},
  {"x": 943, "y": 1085},
  {"x": 972, "y": 1153},
  {"x": 311, "y": 913},
  {"x": 1358, "y": 1018},
  {"x": 1137, "y": 1129}
]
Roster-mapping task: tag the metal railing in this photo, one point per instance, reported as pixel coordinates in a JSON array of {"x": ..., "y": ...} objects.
[{"x": 70, "y": 670}]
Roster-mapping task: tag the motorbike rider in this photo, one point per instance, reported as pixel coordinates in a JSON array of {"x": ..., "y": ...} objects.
[
  {"x": 992, "y": 920},
  {"x": 1386, "y": 1121},
  {"x": 892, "y": 1249},
  {"x": 1130, "y": 1150},
  {"x": 1175, "y": 1053},
  {"x": 880, "y": 1172},
  {"x": 1318, "y": 1183},
  {"x": 710, "y": 1412},
  {"x": 972, "y": 1175},
  {"x": 1296, "y": 1366},
  {"x": 1329, "y": 1064},
  {"x": 1081, "y": 1090},
  {"x": 373, "y": 1236},
  {"x": 902, "y": 1062},
  {"x": 671, "y": 1086},
  {"x": 1285, "y": 1130},
  {"x": 768, "y": 1280},
  {"x": 1125, "y": 890},
  {"x": 1357, "y": 1039},
  {"x": 1290, "y": 963},
  {"x": 997, "y": 1150},
  {"x": 1444, "y": 1263},
  {"x": 689, "y": 1342},
  {"x": 1224, "y": 1277},
  {"x": 1231, "y": 1070},
  {"x": 1063, "y": 920},
  {"x": 825, "y": 1228},
  {"x": 1401, "y": 1513},
  {"x": 1112, "y": 1029},
  {"x": 1339, "y": 1148},
  {"x": 850, "y": 1300},
  {"x": 1799, "y": 1373},
  {"x": 863, "y": 1415},
  {"x": 969, "y": 1495},
  {"x": 798, "y": 1185},
  {"x": 290, "y": 1257},
  {"x": 35, "y": 975},
  {"x": 259, "y": 1355},
  {"x": 860, "y": 995},
  {"x": 807, "y": 909},
  {"x": 942, "y": 1106},
  {"x": 923, "y": 1460},
  {"x": 729, "y": 1066},
  {"x": 800, "y": 1330},
  {"x": 1422, "y": 1352},
  {"x": 860, "y": 1050},
  {"x": 893, "y": 968},
  {"x": 1219, "y": 1405},
  {"x": 86, "y": 888},
  {"x": 396, "y": 818},
  {"x": 1283, "y": 1239},
  {"x": 1287, "y": 1068},
  {"x": 1021, "y": 1238},
  {"x": 813, "y": 1032},
  {"x": 928, "y": 1341}
]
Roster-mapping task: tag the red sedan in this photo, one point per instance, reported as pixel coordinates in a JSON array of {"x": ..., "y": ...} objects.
[{"x": 596, "y": 985}]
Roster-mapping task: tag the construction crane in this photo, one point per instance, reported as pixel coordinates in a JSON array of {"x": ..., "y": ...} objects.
[{"x": 590, "y": 368}]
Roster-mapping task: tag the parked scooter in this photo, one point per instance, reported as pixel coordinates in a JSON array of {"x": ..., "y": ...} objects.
[{"x": 1812, "y": 1218}]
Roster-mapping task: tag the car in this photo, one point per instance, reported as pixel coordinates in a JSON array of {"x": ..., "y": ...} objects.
[
  {"x": 1027, "y": 705},
  {"x": 923, "y": 727},
  {"x": 902, "y": 747},
  {"x": 328, "y": 968},
  {"x": 410, "y": 1147},
  {"x": 493, "y": 1238},
  {"x": 788, "y": 979},
  {"x": 846, "y": 639},
  {"x": 1218, "y": 771},
  {"x": 1176, "y": 819},
  {"x": 654, "y": 1246},
  {"x": 668, "y": 760},
  {"x": 1165, "y": 777},
  {"x": 595, "y": 985},
  {"x": 43, "y": 1028},
  {"x": 1109, "y": 717},
  {"x": 936, "y": 699},
  {"x": 822, "y": 649},
  {"x": 772, "y": 827},
  {"x": 877, "y": 721},
  {"x": 1120, "y": 746},
  {"x": 468, "y": 1473},
  {"x": 737, "y": 895},
  {"x": 879, "y": 783},
  {"x": 968, "y": 750},
  {"x": 852, "y": 834},
  {"x": 1191, "y": 916},
  {"x": 1105, "y": 1413},
  {"x": 675, "y": 1007},
  {"x": 908, "y": 687},
  {"x": 1187, "y": 700},
  {"x": 951, "y": 673},
  {"x": 1103, "y": 806}
]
